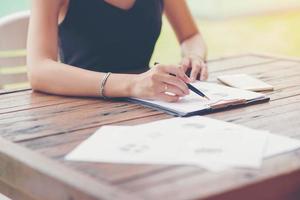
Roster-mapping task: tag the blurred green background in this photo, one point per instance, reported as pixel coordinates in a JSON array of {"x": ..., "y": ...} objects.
[
  {"x": 236, "y": 27},
  {"x": 10, "y": 6},
  {"x": 228, "y": 26}
]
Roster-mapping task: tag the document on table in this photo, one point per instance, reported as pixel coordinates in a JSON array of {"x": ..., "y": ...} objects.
[
  {"x": 219, "y": 95},
  {"x": 275, "y": 145},
  {"x": 245, "y": 81},
  {"x": 212, "y": 144},
  {"x": 177, "y": 141},
  {"x": 123, "y": 145},
  {"x": 278, "y": 144},
  {"x": 206, "y": 140}
]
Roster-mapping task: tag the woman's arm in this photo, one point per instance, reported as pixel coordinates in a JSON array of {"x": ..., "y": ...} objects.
[
  {"x": 194, "y": 50},
  {"x": 46, "y": 74}
]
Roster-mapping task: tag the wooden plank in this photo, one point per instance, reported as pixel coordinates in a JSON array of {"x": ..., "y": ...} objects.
[
  {"x": 12, "y": 193},
  {"x": 274, "y": 181},
  {"x": 210, "y": 182},
  {"x": 238, "y": 62},
  {"x": 265, "y": 71},
  {"x": 17, "y": 101},
  {"x": 30, "y": 100},
  {"x": 14, "y": 91},
  {"x": 272, "y": 56},
  {"x": 48, "y": 179},
  {"x": 285, "y": 78},
  {"x": 285, "y": 73},
  {"x": 261, "y": 116},
  {"x": 113, "y": 172},
  {"x": 50, "y": 120}
]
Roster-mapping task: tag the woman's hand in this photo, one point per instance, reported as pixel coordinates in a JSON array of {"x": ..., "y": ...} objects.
[
  {"x": 162, "y": 82},
  {"x": 194, "y": 57}
]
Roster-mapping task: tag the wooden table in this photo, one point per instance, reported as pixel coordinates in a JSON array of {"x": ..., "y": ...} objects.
[{"x": 38, "y": 130}]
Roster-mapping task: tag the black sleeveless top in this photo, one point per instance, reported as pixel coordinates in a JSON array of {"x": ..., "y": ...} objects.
[{"x": 98, "y": 36}]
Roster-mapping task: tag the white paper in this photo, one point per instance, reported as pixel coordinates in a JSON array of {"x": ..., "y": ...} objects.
[
  {"x": 245, "y": 81},
  {"x": 127, "y": 145},
  {"x": 192, "y": 141},
  {"x": 208, "y": 140},
  {"x": 275, "y": 145},
  {"x": 215, "y": 92},
  {"x": 278, "y": 144},
  {"x": 223, "y": 92}
]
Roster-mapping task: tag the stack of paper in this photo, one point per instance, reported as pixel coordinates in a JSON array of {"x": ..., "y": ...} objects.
[{"x": 201, "y": 141}]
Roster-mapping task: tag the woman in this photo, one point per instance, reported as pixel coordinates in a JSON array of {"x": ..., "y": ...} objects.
[{"x": 101, "y": 42}]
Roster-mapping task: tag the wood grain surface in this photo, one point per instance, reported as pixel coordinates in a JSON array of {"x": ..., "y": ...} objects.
[{"x": 40, "y": 129}]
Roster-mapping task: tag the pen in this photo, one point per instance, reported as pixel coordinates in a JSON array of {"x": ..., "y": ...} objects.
[
  {"x": 192, "y": 88},
  {"x": 197, "y": 91}
]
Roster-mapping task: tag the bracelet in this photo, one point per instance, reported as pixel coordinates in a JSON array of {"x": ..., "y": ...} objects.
[{"x": 103, "y": 82}]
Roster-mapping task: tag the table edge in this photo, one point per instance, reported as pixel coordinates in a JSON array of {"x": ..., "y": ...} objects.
[{"x": 43, "y": 170}]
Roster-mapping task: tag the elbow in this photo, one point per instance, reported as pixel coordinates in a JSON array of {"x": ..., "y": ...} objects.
[
  {"x": 35, "y": 76},
  {"x": 34, "y": 79}
]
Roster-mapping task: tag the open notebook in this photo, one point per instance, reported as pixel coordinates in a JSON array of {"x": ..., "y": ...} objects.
[{"x": 221, "y": 97}]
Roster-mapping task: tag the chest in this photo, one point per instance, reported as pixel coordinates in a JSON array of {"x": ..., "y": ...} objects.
[
  {"x": 103, "y": 18},
  {"x": 121, "y": 4}
]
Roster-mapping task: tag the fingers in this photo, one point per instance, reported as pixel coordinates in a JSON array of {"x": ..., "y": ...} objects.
[
  {"x": 167, "y": 98},
  {"x": 174, "y": 81},
  {"x": 177, "y": 71},
  {"x": 173, "y": 90},
  {"x": 197, "y": 66},
  {"x": 196, "y": 69},
  {"x": 204, "y": 72},
  {"x": 199, "y": 69},
  {"x": 186, "y": 63}
]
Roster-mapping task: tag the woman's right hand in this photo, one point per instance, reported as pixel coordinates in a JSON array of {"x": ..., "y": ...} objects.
[{"x": 162, "y": 82}]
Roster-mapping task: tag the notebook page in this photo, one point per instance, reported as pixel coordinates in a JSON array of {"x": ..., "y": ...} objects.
[{"x": 215, "y": 92}]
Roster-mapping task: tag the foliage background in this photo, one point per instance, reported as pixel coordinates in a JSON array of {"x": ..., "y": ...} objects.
[{"x": 229, "y": 27}]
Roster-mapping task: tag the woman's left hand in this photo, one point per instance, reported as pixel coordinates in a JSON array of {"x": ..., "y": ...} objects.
[
  {"x": 196, "y": 65},
  {"x": 194, "y": 57}
]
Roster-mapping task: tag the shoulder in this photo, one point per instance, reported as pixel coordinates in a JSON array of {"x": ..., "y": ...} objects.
[
  {"x": 48, "y": 9},
  {"x": 50, "y": 4}
]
